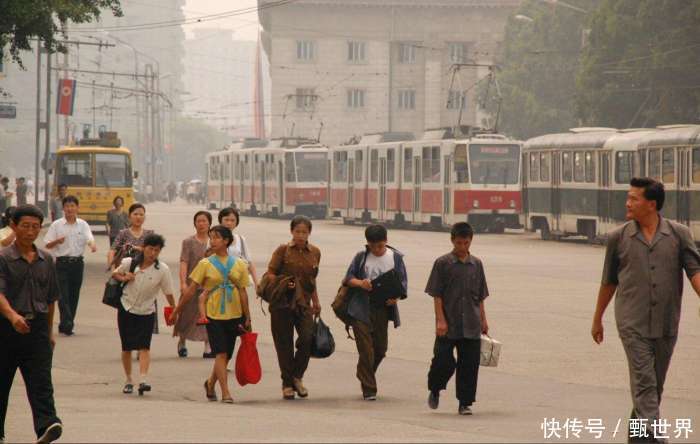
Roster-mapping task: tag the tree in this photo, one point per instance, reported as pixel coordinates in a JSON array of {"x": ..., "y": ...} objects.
[
  {"x": 641, "y": 67},
  {"x": 24, "y": 20},
  {"x": 539, "y": 61}
]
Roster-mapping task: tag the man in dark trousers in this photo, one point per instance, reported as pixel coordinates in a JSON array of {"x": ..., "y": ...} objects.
[
  {"x": 28, "y": 295},
  {"x": 457, "y": 284},
  {"x": 371, "y": 314},
  {"x": 644, "y": 263}
]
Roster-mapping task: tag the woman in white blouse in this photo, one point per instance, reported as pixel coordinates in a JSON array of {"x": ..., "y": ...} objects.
[{"x": 136, "y": 313}]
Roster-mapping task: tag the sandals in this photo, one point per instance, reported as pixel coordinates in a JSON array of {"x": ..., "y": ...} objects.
[
  {"x": 227, "y": 400},
  {"x": 211, "y": 395},
  {"x": 143, "y": 387},
  {"x": 128, "y": 389}
]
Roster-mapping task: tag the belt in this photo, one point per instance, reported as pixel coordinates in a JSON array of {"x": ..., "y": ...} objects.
[{"x": 69, "y": 259}]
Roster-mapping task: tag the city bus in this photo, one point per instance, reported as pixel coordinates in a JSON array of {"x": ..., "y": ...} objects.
[{"x": 96, "y": 171}]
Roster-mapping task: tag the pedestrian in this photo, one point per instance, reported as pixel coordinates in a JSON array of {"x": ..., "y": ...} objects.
[
  {"x": 21, "y": 190},
  {"x": 129, "y": 241},
  {"x": 298, "y": 259},
  {"x": 66, "y": 238},
  {"x": 7, "y": 234},
  {"x": 458, "y": 286},
  {"x": 224, "y": 279},
  {"x": 371, "y": 315},
  {"x": 643, "y": 270},
  {"x": 136, "y": 312},
  {"x": 28, "y": 294},
  {"x": 231, "y": 218},
  {"x": 117, "y": 219},
  {"x": 193, "y": 250},
  {"x": 5, "y": 183},
  {"x": 57, "y": 202},
  {"x": 171, "y": 189}
]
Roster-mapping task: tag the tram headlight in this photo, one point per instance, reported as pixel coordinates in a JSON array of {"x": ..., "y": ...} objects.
[
  {"x": 512, "y": 204},
  {"x": 476, "y": 203}
]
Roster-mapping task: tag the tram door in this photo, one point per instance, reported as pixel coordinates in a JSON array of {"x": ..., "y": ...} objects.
[
  {"x": 280, "y": 186},
  {"x": 351, "y": 184},
  {"x": 683, "y": 185},
  {"x": 221, "y": 202},
  {"x": 417, "y": 180},
  {"x": 604, "y": 191},
  {"x": 382, "y": 188},
  {"x": 556, "y": 193},
  {"x": 447, "y": 188},
  {"x": 263, "y": 182}
]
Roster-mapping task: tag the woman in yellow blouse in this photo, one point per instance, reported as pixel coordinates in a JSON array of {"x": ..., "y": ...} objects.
[{"x": 224, "y": 278}]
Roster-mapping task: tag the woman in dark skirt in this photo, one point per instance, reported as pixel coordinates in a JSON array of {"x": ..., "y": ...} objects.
[{"x": 136, "y": 313}]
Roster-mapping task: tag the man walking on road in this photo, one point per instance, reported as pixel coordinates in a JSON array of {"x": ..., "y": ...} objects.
[
  {"x": 66, "y": 239},
  {"x": 644, "y": 263},
  {"x": 56, "y": 206},
  {"x": 28, "y": 295}
]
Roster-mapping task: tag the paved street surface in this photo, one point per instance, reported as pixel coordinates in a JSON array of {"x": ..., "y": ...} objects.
[{"x": 542, "y": 299}]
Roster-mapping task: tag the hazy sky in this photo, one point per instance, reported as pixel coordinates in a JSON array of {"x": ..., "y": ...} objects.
[{"x": 245, "y": 26}]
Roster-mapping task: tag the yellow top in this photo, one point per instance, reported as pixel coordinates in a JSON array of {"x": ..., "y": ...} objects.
[{"x": 209, "y": 277}]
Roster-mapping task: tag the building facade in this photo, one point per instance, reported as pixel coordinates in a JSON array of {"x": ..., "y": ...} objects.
[{"x": 343, "y": 68}]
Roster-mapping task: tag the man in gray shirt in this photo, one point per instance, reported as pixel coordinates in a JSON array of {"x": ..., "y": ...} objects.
[
  {"x": 57, "y": 202},
  {"x": 644, "y": 263}
]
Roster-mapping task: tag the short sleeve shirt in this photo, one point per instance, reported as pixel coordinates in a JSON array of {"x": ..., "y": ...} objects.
[
  {"x": 29, "y": 288},
  {"x": 77, "y": 235},
  {"x": 208, "y": 276},
  {"x": 140, "y": 295},
  {"x": 462, "y": 287},
  {"x": 649, "y": 277},
  {"x": 300, "y": 262}
]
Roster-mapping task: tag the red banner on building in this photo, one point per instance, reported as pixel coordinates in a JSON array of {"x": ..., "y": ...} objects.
[{"x": 65, "y": 97}]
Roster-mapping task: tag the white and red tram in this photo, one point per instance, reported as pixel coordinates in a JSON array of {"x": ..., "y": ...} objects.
[{"x": 222, "y": 189}]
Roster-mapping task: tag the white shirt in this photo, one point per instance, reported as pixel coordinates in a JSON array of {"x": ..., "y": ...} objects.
[
  {"x": 375, "y": 266},
  {"x": 77, "y": 235},
  {"x": 239, "y": 248},
  {"x": 140, "y": 295}
]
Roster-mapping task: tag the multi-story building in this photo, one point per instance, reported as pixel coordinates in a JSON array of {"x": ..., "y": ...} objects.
[{"x": 342, "y": 68}]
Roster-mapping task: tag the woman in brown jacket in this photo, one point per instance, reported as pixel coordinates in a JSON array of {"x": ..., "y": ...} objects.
[{"x": 298, "y": 259}]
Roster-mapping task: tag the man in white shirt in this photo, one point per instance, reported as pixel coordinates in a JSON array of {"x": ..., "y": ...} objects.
[{"x": 66, "y": 240}]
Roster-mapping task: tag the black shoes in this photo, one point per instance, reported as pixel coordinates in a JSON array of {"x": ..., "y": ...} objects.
[
  {"x": 51, "y": 434},
  {"x": 128, "y": 388},
  {"x": 182, "y": 352},
  {"x": 464, "y": 410},
  {"x": 143, "y": 387},
  {"x": 433, "y": 399},
  {"x": 208, "y": 355}
]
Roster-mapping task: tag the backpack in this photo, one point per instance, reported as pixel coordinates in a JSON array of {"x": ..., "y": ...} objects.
[{"x": 342, "y": 300}]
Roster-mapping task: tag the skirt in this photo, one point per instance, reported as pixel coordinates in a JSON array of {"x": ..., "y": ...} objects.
[
  {"x": 186, "y": 326},
  {"x": 223, "y": 334},
  {"x": 135, "y": 331}
]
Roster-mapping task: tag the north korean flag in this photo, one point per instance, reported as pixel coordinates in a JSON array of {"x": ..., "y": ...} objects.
[{"x": 66, "y": 97}]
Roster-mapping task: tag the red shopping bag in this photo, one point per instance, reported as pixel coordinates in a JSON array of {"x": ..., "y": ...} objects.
[{"x": 248, "y": 369}]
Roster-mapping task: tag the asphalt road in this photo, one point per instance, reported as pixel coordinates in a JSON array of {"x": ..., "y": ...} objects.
[{"x": 542, "y": 299}]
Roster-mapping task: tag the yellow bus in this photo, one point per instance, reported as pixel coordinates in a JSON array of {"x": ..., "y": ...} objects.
[{"x": 96, "y": 171}]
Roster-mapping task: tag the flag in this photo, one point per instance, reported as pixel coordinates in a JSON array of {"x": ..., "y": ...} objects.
[{"x": 66, "y": 97}]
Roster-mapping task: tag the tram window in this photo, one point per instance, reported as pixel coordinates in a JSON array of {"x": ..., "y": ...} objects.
[
  {"x": 390, "y": 164},
  {"x": 289, "y": 170},
  {"x": 579, "y": 167},
  {"x": 696, "y": 165},
  {"x": 340, "y": 166},
  {"x": 358, "y": 166},
  {"x": 431, "y": 164},
  {"x": 227, "y": 167},
  {"x": 373, "y": 165},
  {"x": 668, "y": 171},
  {"x": 566, "y": 166},
  {"x": 461, "y": 164},
  {"x": 408, "y": 165},
  {"x": 534, "y": 167},
  {"x": 590, "y": 167},
  {"x": 642, "y": 163},
  {"x": 246, "y": 167},
  {"x": 624, "y": 167},
  {"x": 544, "y": 167},
  {"x": 655, "y": 164}
]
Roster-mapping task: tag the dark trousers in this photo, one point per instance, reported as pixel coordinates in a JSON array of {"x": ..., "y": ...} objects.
[
  {"x": 32, "y": 354},
  {"x": 372, "y": 342},
  {"x": 467, "y": 365},
  {"x": 283, "y": 322},
  {"x": 70, "y": 279}
]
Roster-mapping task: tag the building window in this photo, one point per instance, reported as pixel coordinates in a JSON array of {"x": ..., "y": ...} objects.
[
  {"x": 306, "y": 98},
  {"x": 457, "y": 52},
  {"x": 356, "y": 52},
  {"x": 407, "y": 99},
  {"x": 305, "y": 50},
  {"x": 455, "y": 99},
  {"x": 407, "y": 53},
  {"x": 356, "y": 98}
]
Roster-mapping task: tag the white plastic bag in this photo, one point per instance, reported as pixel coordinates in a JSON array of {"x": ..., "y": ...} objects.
[{"x": 490, "y": 351}]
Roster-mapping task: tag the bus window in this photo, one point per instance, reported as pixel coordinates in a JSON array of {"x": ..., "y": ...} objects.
[
  {"x": 461, "y": 164},
  {"x": 494, "y": 164},
  {"x": 655, "y": 164},
  {"x": 358, "y": 166},
  {"x": 534, "y": 167},
  {"x": 696, "y": 165},
  {"x": 579, "y": 167},
  {"x": 668, "y": 171},
  {"x": 311, "y": 167},
  {"x": 431, "y": 164},
  {"x": 624, "y": 167},
  {"x": 340, "y": 166},
  {"x": 75, "y": 169},
  {"x": 544, "y": 167},
  {"x": 112, "y": 170},
  {"x": 408, "y": 165},
  {"x": 390, "y": 165},
  {"x": 566, "y": 167},
  {"x": 373, "y": 165},
  {"x": 590, "y": 167},
  {"x": 289, "y": 170}
]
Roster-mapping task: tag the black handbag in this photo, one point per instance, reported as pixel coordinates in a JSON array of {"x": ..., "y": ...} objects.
[
  {"x": 322, "y": 342},
  {"x": 114, "y": 289}
]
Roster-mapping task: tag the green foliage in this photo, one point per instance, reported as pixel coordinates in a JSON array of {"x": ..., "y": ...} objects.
[
  {"x": 193, "y": 139},
  {"x": 24, "y": 20},
  {"x": 641, "y": 67}
]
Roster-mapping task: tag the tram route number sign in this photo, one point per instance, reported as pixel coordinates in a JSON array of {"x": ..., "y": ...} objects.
[{"x": 8, "y": 112}]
